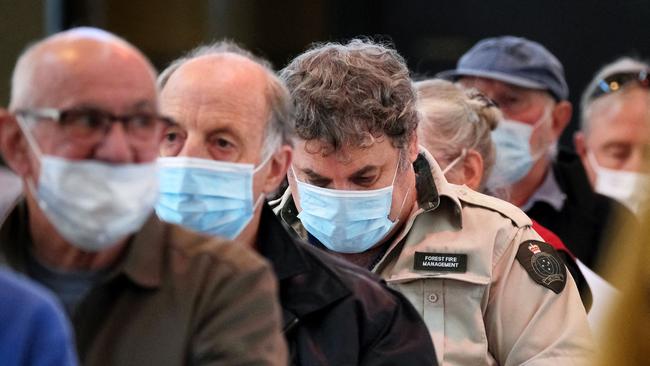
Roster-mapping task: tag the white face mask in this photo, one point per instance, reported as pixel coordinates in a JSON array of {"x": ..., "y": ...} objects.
[
  {"x": 629, "y": 188},
  {"x": 92, "y": 204}
]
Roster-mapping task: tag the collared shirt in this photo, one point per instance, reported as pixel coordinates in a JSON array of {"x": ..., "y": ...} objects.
[
  {"x": 175, "y": 298},
  {"x": 549, "y": 191},
  {"x": 492, "y": 312}
]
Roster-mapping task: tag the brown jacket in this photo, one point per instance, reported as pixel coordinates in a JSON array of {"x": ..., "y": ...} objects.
[
  {"x": 491, "y": 312},
  {"x": 176, "y": 298}
]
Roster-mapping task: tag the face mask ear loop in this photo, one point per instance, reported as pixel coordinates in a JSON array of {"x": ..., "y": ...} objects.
[
  {"x": 592, "y": 161},
  {"x": 547, "y": 113},
  {"x": 29, "y": 137},
  {"x": 263, "y": 163},
  {"x": 455, "y": 161},
  {"x": 405, "y": 196},
  {"x": 261, "y": 197},
  {"x": 31, "y": 141}
]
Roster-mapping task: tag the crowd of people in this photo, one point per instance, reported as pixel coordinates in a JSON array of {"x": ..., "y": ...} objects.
[{"x": 413, "y": 222}]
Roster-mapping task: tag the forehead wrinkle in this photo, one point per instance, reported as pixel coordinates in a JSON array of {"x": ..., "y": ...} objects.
[{"x": 225, "y": 86}]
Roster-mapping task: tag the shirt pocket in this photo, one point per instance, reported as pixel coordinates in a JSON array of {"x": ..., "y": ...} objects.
[{"x": 451, "y": 306}]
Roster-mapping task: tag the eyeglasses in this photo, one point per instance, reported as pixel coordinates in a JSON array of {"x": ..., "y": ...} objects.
[
  {"x": 617, "y": 81},
  {"x": 89, "y": 125}
]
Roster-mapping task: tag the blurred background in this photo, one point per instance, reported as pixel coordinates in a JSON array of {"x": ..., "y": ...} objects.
[{"x": 432, "y": 35}]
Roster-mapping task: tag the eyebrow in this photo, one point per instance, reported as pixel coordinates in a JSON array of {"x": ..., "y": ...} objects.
[
  {"x": 143, "y": 104},
  {"x": 365, "y": 170},
  {"x": 315, "y": 176}
]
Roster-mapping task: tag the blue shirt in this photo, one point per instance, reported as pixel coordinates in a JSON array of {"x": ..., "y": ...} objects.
[{"x": 33, "y": 328}]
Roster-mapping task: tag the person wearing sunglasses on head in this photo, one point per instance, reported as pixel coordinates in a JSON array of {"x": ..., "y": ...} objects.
[
  {"x": 82, "y": 131},
  {"x": 527, "y": 82},
  {"x": 614, "y": 137}
]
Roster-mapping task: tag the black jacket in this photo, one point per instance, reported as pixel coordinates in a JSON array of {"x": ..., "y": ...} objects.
[
  {"x": 587, "y": 221},
  {"x": 336, "y": 313}
]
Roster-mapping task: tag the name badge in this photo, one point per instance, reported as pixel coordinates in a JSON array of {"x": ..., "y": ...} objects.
[{"x": 441, "y": 262}]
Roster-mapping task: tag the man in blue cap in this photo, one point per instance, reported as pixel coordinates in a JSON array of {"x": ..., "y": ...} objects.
[{"x": 528, "y": 84}]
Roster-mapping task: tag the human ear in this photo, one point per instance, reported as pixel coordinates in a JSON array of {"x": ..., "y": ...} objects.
[
  {"x": 473, "y": 169},
  {"x": 413, "y": 148},
  {"x": 581, "y": 149},
  {"x": 278, "y": 165},
  {"x": 13, "y": 145},
  {"x": 561, "y": 117}
]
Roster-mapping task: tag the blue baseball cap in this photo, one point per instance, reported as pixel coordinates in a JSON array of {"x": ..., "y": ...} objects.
[{"x": 513, "y": 60}]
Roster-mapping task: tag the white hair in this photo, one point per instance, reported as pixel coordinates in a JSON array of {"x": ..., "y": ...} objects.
[{"x": 623, "y": 64}]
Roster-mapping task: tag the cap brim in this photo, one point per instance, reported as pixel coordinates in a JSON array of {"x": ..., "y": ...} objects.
[{"x": 506, "y": 78}]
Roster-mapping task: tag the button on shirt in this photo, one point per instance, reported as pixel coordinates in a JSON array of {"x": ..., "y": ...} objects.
[{"x": 492, "y": 312}]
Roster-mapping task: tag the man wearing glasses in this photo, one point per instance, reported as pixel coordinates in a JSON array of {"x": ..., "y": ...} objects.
[
  {"x": 614, "y": 137},
  {"x": 82, "y": 131},
  {"x": 527, "y": 83}
]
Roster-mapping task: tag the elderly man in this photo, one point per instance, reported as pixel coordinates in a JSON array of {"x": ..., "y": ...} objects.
[
  {"x": 527, "y": 82},
  {"x": 82, "y": 132},
  {"x": 232, "y": 147},
  {"x": 490, "y": 291},
  {"x": 614, "y": 138}
]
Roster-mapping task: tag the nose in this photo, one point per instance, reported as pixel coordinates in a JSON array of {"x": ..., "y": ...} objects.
[
  {"x": 195, "y": 147},
  {"x": 115, "y": 147}
]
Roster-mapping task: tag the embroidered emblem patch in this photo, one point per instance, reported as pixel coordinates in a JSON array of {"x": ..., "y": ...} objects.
[{"x": 543, "y": 264}]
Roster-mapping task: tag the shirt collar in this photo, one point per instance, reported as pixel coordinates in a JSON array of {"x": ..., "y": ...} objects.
[
  {"x": 549, "y": 192},
  {"x": 141, "y": 262},
  {"x": 276, "y": 245}
]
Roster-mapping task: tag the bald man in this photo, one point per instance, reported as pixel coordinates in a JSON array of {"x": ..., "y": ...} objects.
[
  {"x": 230, "y": 148},
  {"x": 82, "y": 131}
]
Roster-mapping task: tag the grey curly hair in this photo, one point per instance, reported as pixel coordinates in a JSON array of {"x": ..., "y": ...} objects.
[{"x": 351, "y": 94}]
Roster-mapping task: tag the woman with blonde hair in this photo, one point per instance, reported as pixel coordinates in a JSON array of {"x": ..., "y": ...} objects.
[{"x": 455, "y": 127}]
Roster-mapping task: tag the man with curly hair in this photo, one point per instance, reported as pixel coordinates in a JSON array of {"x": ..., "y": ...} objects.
[{"x": 490, "y": 291}]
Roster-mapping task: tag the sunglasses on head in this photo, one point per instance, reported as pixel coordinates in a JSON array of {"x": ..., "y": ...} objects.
[{"x": 618, "y": 80}]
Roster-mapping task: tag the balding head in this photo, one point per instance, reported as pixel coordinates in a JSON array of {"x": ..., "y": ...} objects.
[
  {"x": 50, "y": 71},
  {"x": 227, "y": 78},
  {"x": 83, "y": 70},
  {"x": 229, "y": 107}
]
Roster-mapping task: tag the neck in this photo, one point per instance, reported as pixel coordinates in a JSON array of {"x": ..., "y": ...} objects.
[
  {"x": 364, "y": 259},
  {"x": 53, "y": 250},
  {"x": 525, "y": 188}
]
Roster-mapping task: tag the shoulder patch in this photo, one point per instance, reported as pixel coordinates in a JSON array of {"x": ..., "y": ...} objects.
[
  {"x": 543, "y": 264},
  {"x": 505, "y": 208}
]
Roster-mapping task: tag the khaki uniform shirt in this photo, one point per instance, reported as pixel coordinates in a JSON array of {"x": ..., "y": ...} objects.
[
  {"x": 176, "y": 298},
  {"x": 493, "y": 313}
]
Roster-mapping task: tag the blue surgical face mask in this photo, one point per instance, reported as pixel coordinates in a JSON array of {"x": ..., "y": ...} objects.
[
  {"x": 346, "y": 221},
  {"x": 514, "y": 158},
  {"x": 208, "y": 196}
]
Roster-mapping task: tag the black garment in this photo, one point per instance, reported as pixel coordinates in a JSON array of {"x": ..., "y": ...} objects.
[
  {"x": 586, "y": 222},
  {"x": 336, "y": 313}
]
